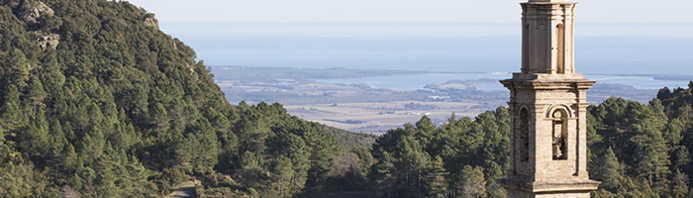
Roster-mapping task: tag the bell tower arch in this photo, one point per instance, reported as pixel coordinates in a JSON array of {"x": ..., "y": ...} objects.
[{"x": 548, "y": 108}]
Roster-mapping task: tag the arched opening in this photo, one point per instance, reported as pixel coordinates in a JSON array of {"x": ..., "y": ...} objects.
[{"x": 559, "y": 143}]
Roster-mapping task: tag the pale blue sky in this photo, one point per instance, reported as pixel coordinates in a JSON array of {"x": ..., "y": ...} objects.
[{"x": 606, "y": 11}]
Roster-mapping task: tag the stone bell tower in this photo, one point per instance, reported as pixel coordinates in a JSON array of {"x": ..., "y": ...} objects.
[{"x": 548, "y": 108}]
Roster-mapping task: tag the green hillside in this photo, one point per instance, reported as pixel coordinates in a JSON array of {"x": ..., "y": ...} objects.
[{"x": 97, "y": 101}]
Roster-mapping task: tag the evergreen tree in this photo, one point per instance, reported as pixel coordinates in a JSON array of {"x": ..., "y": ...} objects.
[
  {"x": 34, "y": 96},
  {"x": 474, "y": 183},
  {"x": 284, "y": 175},
  {"x": 425, "y": 127},
  {"x": 607, "y": 172},
  {"x": 16, "y": 68},
  {"x": 10, "y": 111},
  {"x": 680, "y": 185},
  {"x": 435, "y": 184}
]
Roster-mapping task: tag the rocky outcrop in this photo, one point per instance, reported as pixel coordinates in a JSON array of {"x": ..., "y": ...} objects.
[
  {"x": 192, "y": 69},
  {"x": 34, "y": 10},
  {"x": 151, "y": 22},
  {"x": 46, "y": 41},
  {"x": 31, "y": 13}
]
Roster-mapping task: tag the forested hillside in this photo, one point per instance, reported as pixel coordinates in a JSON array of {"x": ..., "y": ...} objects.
[
  {"x": 98, "y": 102},
  {"x": 462, "y": 158},
  {"x": 643, "y": 150},
  {"x": 636, "y": 150}
]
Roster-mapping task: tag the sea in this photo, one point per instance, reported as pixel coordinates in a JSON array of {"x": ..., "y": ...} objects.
[{"x": 646, "y": 56}]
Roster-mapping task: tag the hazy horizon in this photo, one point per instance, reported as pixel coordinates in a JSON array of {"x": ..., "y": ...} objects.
[
  {"x": 458, "y": 47},
  {"x": 614, "y": 37},
  {"x": 618, "y": 11}
]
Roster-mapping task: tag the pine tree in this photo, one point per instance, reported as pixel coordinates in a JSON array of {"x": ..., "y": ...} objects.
[
  {"x": 299, "y": 155},
  {"x": 607, "y": 172},
  {"x": 17, "y": 71},
  {"x": 680, "y": 189},
  {"x": 52, "y": 77},
  {"x": 159, "y": 119},
  {"x": 34, "y": 96},
  {"x": 10, "y": 112},
  {"x": 493, "y": 188},
  {"x": 654, "y": 159},
  {"x": 425, "y": 127},
  {"x": 474, "y": 183},
  {"x": 435, "y": 183},
  {"x": 283, "y": 176}
]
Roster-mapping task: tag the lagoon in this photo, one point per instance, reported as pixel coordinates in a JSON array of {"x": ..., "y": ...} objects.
[{"x": 608, "y": 53}]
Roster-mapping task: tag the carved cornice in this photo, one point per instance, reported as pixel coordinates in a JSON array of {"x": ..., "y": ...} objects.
[{"x": 550, "y": 186}]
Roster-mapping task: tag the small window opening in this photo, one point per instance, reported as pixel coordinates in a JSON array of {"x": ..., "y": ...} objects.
[{"x": 559, "y": 133}]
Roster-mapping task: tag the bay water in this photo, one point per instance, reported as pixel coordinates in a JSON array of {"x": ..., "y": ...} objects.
[{"x": 630, "y": 54}]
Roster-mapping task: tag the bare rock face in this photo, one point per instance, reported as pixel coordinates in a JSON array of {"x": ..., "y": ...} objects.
[
  {"x": 46, "y": 41},
  {"x": 35, "y": 10},
  {"x": 30, "y": 14},
  {"x": 151, "y": 22},
  {"x": 192, "y": 69}
]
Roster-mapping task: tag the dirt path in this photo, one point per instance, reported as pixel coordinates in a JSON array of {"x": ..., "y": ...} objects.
[{"x": 185, "y": 189}]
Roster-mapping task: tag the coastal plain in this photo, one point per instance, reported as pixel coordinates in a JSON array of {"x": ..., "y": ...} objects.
[{"x": 361, "y": 107}]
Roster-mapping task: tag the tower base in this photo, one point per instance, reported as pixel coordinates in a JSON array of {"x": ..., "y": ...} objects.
[{"x": 554, "y": 189}]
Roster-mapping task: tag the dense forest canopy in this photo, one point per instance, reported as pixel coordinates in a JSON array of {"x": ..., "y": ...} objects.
[
  {"x": 98, "y": 102},
  {"x": 635, "y": 149}
]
